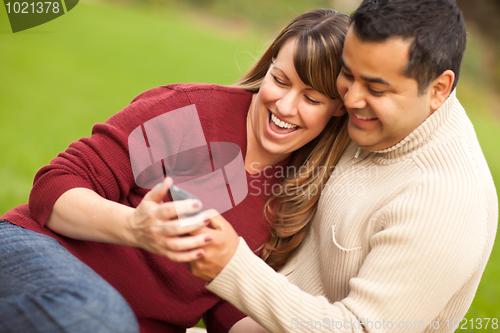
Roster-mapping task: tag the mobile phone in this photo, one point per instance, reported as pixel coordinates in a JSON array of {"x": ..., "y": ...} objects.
[{"x": 176, "y": 193}]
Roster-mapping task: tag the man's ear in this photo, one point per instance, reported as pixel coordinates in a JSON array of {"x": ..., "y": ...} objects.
[{"x": 440, "y": 89}]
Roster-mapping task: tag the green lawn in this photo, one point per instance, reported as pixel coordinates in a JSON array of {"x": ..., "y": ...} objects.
[
  {"x": 60, "y": 78},
  {"x": 487, "y": 301}
]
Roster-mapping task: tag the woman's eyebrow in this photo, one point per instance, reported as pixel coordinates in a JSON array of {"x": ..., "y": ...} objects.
[{"x": 286, "y": 77}]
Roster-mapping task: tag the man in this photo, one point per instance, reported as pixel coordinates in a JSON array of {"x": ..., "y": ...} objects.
[{"x": 407, "y": 221}]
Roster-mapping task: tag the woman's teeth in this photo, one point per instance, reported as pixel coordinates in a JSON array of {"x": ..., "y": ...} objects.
[{"x": 281, "y": 123}]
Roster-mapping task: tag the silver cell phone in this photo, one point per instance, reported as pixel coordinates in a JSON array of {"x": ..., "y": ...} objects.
[{"x": 176, "y": 193}]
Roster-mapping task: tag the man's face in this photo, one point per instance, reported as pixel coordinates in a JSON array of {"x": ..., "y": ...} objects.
[{"x": 384, "y": 105}]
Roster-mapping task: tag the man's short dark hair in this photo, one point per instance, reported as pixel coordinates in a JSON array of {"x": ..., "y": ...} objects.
[{"x": 436, "y": 26}]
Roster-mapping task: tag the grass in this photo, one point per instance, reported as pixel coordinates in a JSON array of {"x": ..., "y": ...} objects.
[
  {"x": 60, "y": 78},
  {"x": 486, "y": 302},
  {"x": 480, "y": 99}
]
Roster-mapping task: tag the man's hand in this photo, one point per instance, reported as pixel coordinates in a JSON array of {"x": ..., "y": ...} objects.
[
  {"x": 219, "y": 251},
  {"x": 247, "y": 325}
]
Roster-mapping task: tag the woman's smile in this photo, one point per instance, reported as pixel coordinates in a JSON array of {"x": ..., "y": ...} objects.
[{"x": 279, "y": 129}]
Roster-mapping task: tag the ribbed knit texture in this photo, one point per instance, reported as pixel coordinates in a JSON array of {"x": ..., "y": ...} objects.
[
  {"x": 163, "y": 294},
  {"x": 400, "y": 240}
]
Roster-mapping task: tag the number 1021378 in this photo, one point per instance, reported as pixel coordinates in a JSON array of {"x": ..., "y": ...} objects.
[
  {"x": 33, "y": 7},
  {"x": 472, "y": 324}
]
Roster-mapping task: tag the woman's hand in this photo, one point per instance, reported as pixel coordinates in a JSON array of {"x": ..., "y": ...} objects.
[
  {"x": 219, "y": 251},
  {"x": 154, "y": 226}
]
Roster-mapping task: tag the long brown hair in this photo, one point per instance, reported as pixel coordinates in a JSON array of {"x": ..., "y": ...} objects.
[{"x": 320, "y": 38}]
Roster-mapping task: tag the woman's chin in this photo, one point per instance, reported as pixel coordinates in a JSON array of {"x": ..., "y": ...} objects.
[{"x": 276, "y": 149}]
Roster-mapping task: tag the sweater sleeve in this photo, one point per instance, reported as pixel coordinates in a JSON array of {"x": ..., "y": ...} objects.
[
  {"x": 267, "y": 296},
  {"x": 424, "y": 253},
  {"x": 102, "y": 162}
]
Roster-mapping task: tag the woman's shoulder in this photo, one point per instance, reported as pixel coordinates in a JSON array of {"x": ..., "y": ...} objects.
[
  {"x": 192, "y": 91},
  {"x": 207, "y": 98},
  {"x": 207, "y": 87}
]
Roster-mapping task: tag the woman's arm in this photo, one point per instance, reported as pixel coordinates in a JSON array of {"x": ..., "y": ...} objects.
[
  {"x": 89, "y": 191},
  {"x": 82, "y": 214}
]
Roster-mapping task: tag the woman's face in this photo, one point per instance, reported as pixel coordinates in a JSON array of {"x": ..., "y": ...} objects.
[{"x": 286, "y": 113}]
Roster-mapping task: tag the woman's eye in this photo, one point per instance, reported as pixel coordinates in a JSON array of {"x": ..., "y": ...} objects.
[
  {"x": 312, "y": 101},
  {"x": 278, "y": 81}
]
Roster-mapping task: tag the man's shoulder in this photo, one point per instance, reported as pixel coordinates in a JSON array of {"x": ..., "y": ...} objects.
[
  {"x": 448, "y": 142},
  {"x": 453, "y": 164}
]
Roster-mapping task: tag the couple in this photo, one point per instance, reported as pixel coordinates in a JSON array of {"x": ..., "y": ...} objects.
[{"x": 398, "y": 238}]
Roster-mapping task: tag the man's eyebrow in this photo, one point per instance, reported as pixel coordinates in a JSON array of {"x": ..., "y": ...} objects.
[
  {"x": 342, "y": 64},
  {"x": 365, "y": 78},
  {"x": 375, "y": 80}
]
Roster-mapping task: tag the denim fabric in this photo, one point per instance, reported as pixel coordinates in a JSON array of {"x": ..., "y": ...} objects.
[{"x": 44, "y": 288}]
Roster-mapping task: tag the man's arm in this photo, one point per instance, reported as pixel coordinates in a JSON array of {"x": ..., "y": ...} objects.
[{"x": 416, "y": 264}]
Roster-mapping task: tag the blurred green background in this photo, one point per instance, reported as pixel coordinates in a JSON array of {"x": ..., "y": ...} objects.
[{"x": 60, "y": 78}]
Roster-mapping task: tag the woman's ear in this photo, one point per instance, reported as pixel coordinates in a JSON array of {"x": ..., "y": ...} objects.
[
  {"x": 440, "y": 89},
  {"x": 340, "y": 110}
]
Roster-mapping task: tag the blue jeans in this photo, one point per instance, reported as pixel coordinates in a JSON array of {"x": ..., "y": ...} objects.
[{"x": 44, "y": 288}]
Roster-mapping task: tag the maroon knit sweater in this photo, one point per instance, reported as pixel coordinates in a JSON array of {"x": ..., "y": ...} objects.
[{"x": 163, "y": 294}]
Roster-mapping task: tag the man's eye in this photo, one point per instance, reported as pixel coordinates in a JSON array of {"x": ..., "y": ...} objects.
[
  {"x": 346, "y": 75},
  {"x": 376, "y": 92},
  {"x": 278, "y": 81}
]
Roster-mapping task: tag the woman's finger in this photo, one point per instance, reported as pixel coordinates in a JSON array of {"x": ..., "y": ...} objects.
[
  {"x": 171, "y": 210},
  {"x": 188, "y": 243},
  {"x": 186, "y": 256},
  {"x": 181, "y": 226}
]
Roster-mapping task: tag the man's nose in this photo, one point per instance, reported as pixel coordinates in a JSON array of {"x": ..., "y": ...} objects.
[{"x": 354, "y": 98}]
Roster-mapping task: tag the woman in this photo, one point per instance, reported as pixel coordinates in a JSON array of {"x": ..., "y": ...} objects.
[{"x": 90, "y": 197}]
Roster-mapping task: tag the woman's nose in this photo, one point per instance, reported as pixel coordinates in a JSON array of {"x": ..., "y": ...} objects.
[{"x": 287, "y": 104}]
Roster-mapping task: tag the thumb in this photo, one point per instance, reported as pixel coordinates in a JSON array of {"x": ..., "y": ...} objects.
[
  {"x": 216, "y": 220},
  {"x": 158, "y": 193}
]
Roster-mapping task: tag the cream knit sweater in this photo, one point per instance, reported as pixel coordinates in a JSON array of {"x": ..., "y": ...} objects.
[{"x": 398, "y": 244}]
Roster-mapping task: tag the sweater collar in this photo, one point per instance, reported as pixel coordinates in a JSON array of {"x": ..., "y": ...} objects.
[{"x": 421, "y": 134}]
